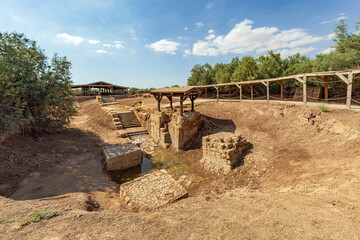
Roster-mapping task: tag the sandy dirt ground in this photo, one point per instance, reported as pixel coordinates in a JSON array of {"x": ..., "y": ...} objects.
[{"x": 299, "y": 180}]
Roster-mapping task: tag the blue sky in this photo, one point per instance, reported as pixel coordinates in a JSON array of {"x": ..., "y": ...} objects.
[{"x": 156, "y": 43}]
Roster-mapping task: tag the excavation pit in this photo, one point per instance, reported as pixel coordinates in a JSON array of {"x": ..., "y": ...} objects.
[
  {"x": 122, "y": 156},
  {"x": 175, "y": 166},
  {"x": 151, "y": 191}
]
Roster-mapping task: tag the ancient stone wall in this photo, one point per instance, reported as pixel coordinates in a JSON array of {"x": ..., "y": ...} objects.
[
  {"x": 182, "y": 128},
  {"x": 170, "y": 128},
  {"x": 222, "y": 151}
]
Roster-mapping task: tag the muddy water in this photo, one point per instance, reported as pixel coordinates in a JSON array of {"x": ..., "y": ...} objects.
[{"x": 175, "y": 166}]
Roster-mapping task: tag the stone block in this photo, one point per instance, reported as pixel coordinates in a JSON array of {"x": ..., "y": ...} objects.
[
  {"x": 222, "y": 151},
  {"x": 122, "y": 156},
  {"x": 151, "y": 191}
]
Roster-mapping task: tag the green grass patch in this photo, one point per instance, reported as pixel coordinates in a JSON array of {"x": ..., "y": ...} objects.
[
  {"x": 324, "y": 108},
  {"x": 40, "y": 215},
  {"x": 9, "y": 220}
]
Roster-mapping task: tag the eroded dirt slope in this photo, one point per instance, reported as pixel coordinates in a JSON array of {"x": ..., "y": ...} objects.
[{"x": 300, "y": 180}]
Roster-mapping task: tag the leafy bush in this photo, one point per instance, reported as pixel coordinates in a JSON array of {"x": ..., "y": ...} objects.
[{"x": 35, "y": 94}]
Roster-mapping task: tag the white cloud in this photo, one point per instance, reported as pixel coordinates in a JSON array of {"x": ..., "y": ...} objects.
[
  {"x": 117, "y": 44},
  {"x": 199, "y": 24},
  {"x": 292, "y": 51},
  {"x": 204, "y": 49},
  {"x": 164, "y": 46},
  {"x": 334, "y": 20},
  {"x": 211, "y": 31},
  {"x": 92, "y": 41},
  {"x": 187, "y": 52},
  {"x": 102, "y": 51},
  {"x": 331, "y": 36},
  {"x": 243, "y": 38},
  {"x": 209, "y": 5},
  {"x": 70, "y": 39},
  {"x": 185, "y": 28},
  {"x": 211, "y": 36},
  {"x": 327, "y": 50}
]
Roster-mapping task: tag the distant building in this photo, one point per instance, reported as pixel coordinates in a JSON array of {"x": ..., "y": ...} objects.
[{"x": 101, "y": 88}]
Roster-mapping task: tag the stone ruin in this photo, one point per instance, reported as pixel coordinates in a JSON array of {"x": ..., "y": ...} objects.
[
  {"x": 122, "y": 156},
  {"x": 151, "y": 191},
  {"x": 222, "y": 151},
  {"x": 170, "y": 129}
]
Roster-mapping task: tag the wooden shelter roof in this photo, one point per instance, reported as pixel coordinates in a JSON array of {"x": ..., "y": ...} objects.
[
  {"x": 176, "y": 90},
  {"x": 99, "y": 84}
]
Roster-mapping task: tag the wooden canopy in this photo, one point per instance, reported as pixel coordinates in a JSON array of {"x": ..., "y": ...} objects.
[
  {"x": 345, "y": 76},
  {"x": 104, "y": 87},
  {"x": 182, "y": 92}
]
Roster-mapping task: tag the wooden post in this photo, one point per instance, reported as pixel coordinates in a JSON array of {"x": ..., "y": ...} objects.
[
  {"x": 304, "y": 91},
  {"x": 170, "y": 99},
  {"x": 348, "y": 81},
  {"x": 205, "y": 92},
  {"x": 349, "y": 90},
  {"x": 217, "y": 93},
  {"x": 229, "y": 92},
  {"x": 267, "y": 90},
  {"x": 240, "y": 89},
  {"x": 281, "y": 89},
  {"x": 158, "y": 99},
  {"x": 326, "y": 88},
  {"x": 192, "y": 99},
  {"x": 182, "y": 99},
  {"x": 252, "y": 91}
]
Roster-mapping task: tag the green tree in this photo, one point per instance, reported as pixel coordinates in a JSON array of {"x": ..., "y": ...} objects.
[
  {"x": 201, "y": 75},
  {"x": 297, "y": 64},
  {"x": 246, "y": 70},
  {"x": 270, "y": 66},
  {"x": 35, "y": 95}
]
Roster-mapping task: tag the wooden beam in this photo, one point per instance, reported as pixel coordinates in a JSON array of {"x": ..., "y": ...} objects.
[
  {"x": 268, "y": 92},
  {"x": 342, "y": 77},
  {"x": 349, "y": 90},
  {"x": 300, "y": 79},
  {"x": 229, "y": 92},
  {"x": 206, "y": 93},
  {"x": 240, "y": 88}
]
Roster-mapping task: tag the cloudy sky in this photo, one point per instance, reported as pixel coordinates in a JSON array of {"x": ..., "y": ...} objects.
[{"x": 156, "y": 43}]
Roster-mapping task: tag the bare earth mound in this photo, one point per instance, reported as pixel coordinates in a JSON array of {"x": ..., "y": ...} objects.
[{"x": 299, "y": 180}]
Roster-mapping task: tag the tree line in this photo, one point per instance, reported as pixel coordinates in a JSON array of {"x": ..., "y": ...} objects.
[{"x": 345, "y": 55}]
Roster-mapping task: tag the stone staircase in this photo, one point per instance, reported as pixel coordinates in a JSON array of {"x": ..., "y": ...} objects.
[
  {"x": 129, "y": 120},
  {"x": 124, "y": 120}
]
